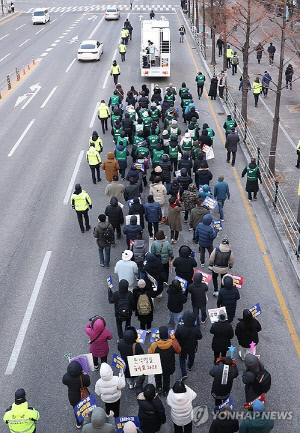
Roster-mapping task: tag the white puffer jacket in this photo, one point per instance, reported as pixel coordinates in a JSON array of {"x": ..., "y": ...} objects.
[
  {"x": 109, "y": 386},
  {"x": 158, "y": 190},
  {"x": 181, "y": 406}
]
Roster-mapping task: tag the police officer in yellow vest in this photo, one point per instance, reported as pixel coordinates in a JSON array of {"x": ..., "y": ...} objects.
[
  {"x": 229, "y": 54},
  {"x": 94, "y": 160},
  {"x": 20, "y": 417},
  {"x": 81, "y": 202},
  {"x": 103, "y": 115},
  {"x": 97, "y": 142},
  {"x": 122, "y": 51},
  {"x": 115, "y": 71},
  {"x": 257, "y": 89}
]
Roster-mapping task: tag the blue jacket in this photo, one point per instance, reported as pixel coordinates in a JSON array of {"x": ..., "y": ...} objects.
[
  {"x": 228, "y": 297},
  {"x": 266, "y": 80},
  {"x": 152, "y": 212},
  {"x": 221, "y": 191},
  {"x": 133, "y": 172},
  {"x": 133, "y": 229},
  {"x": 204, "y": 233}
]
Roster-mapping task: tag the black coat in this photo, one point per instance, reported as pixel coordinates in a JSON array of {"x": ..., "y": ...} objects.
[
  {"x": 246, "y": 335},
  {"x": 203, "y": 176},
  {"x": 154, "y": 267},
  {"x": 198, "y": 291},
  {"x": 176, "y": 299},
  {"x": 132, "y": 191},
  {"x": 232, "y": 141},
  {"x": 133, "y": 229},
  {"x": 72, "y": 380},
  {"x": 213, "y": 87},
  {"x": 222, "y": 334},
  {"x": 166, "y": 170},
  {"x": 252, "y": 185},
  {"x": 188, "y": 334},
  {"x": 125, "y": 347},
  {"x": 218, "y": 390},
  {"x": 184, "y": 181},
  {"x": 185, "y": 162},
  {"x": 127, "y": 124},
  {"x": 228, "y": 297},
  {"x": 220, "y": 425},
  {"x": 114, "y": 297},
  {"x": 151, "y": 414},
  {"x": 114, "y": 213},
  {"x": 184, "y": 264},
  {"x": 138, "y": 209}
]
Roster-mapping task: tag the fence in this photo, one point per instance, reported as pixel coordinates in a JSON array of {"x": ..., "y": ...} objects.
[
  {"x": 16, "y": 75},
  {"x": 270, "y": 183}
]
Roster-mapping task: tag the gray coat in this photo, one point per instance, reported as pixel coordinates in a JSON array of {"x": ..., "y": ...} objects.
[
  {"x": 99, "y": 422},
  {"x": 253, "y": 367},
  {"x": 232, "y": 142}
]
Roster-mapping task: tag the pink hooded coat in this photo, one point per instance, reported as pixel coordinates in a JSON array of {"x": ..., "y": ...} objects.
[{"x": 100, "y": 347}]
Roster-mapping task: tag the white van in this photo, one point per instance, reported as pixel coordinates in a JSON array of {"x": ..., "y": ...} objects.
[{"x": 40, "y": 16}]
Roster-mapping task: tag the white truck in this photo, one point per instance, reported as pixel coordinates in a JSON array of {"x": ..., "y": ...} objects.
[{"x": 155, "y": 48}]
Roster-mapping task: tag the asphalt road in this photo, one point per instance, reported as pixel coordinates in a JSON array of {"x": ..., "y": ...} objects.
[{"x": 70, "y": 287}]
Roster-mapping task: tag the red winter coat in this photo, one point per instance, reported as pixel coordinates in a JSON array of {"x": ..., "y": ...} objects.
[{"x": 100, "y": 347}]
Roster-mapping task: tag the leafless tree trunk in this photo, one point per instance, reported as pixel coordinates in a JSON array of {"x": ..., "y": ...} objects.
[
  {"x": 213, "y": 34},
  {"x": 197, "y": 16},
  {"x": 246, "y": 63},
  {"x": 204, "y": 24}
]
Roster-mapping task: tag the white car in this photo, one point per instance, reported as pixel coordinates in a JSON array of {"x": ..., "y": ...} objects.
[
  {"x": 90, "y": 50},
  {"x": 40, "y": 16},
  {"x": 112, "y": 13}
]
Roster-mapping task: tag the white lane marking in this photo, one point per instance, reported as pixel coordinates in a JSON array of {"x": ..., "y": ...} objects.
[
  {"x": 38, "y": 59},
  {"x": 48, "y": 97},
  {"x": 53, "y": 21},
  {"x": 23, "y": 43},
  {"x": 48, "y": 50},
  {"x": 95, "y": 29},
  {"x": 61, "y": 37},
  {"x": 63, "y": 13},
  {"x": 57, "y": 40},
  {"x": 5, "y": 57},
  {"x": 40, "y": 31},
  {"x": 44, "y": 54},
  {"x": 68, "y": 68},
  {"x": 4, "y": 36},
  {"x": 25, "y": 322},
  {"x": 20, "y": 26},
  {"x": 94, "y": 115},
  {"x": 106, "y": 78},
  {"x": 53, "y": 45},
  {"x": 21, "y": 138},
  {"x": 72, "y": 181}
]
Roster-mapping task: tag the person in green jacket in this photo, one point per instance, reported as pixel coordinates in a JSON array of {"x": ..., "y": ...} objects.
[
  {"x": 20, "y": 417},
  {"x": 162, "y": 249},
  {"x": 257, "y": 422},
  {"x": 200, "y": 79}
]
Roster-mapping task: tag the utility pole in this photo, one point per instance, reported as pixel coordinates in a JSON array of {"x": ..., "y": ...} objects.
[
  {"x": 197, "y": 16},
  {"x": 213, "y": 34},
  {"x": 204, "y": 25}
]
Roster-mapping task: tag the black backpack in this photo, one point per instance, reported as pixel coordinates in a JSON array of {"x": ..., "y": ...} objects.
[
  {"x": 106, "y": 236},
  {"x": 124, "y": 308},
  {"x": 262, "y": 382}
]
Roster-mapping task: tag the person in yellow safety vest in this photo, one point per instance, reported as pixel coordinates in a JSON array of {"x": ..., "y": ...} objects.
[
  {"x": 81, "y": 202},
  {"x": 97, "y": 141},
  {"x": 20, "y": 417},
  {"x": 257, "y": 89},
  {"x": 229, "y": 54},
  {"x": 115, "y": 71},
  {"x": 298, "y": 153},
  {"x": 122, "y": 51},
  {"x": 124, "y": 36},
  {"x": 234, "y": 62},
  {"x": 103, "y": 115},
  {"x": 94, "y": 160}
]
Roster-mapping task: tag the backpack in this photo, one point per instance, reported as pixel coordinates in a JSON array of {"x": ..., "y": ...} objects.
[
  {"x": 106, "y": 236},
  {"x": 143, "y": 305},
  {"x": 235, "y": 60},
  {"x": 123, "y": 309},
  {"x": 138, "y": 253},
  {"x": 262, "y": 382}
]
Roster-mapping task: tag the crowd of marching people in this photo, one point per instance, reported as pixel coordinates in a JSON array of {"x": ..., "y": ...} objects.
[{"x": 168, "y": 186}]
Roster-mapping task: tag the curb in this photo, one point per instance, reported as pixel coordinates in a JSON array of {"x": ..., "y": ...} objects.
[
  {"x": 9, "y": 17},
  {"x": 267, "y": 203}
]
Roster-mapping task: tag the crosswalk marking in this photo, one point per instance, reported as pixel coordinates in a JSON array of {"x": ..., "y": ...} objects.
[{"x": 157, "y": 8}]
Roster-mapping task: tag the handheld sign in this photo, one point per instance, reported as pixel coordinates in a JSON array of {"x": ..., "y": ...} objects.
[
  {"x": 193, "y": 254},
  {"x": 144, "y": 364},
  {"x": 153, "y": 281},
  {"x": 109, "y": 282},
  {"x": 139, "y": 166},
  {"x": 261, "y": 398},
  {"x": 183, "y": 283},
  {"x": 86, "y": 361},
  {"x": 154, "y": 335},
  {"x": 141, "y": 336},
  {"x": 85, "y": 406},
  {"x": 121, "y": 205},
  {"x": 255, "y": 310},
  {"x": 252, "y": 347},
  {"x": 210, "y": 202},
  {"x": 237, "y": 281},
  {"x": 118, "y": 362},
  {"x": 178, "y": 173},
  {"x": 205, "y": 148},
  {"x": 122, "y": 420},
  {"x": 205, "y": 277},
  {"x": 127, "y": 219},
  {"x": 217, "y": 224},
  {"x": 227, "y": 402},
  {"x": 214, "y": 314},
  {"x": 131, "y": 201}
]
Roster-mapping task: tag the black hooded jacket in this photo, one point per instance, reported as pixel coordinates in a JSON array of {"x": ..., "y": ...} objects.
[
  {"x": 133, "y": 229},
  {"x": 176, "y": 299},
  {"x": 222, "y": 334},
  {"x": 72, "y": 379},
  {"x": 228, "y": 297},
  {"x": 154, "y": 267},
  {"x": 127, "y": 123},
  {"x": 122, "y": 293},
  {"x": 166, "y": 167},
  {"x": 151, "y": 413},
  {"x": 203, "y": 176},
  {"x": 184, "y": 264},
  {"x": 184, "y": 180},
  {"x": 205, "y": 138},
  {"x": 136, "y": 208},
  {"x": 114, "y": 213},
  {"x": 188, "y": 334},
  {"x": 198, "y": 291},
  {"x": 125, "y": 346},
  {"x": 186, "y": 163}
]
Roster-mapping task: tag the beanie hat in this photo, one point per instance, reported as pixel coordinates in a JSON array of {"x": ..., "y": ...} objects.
[
  {"x": 222, "y": 317},
  {"x": 129, "y": 427},
  {"x": 141, "y": 284},
  {"x": 163, "y": 333},
  {"x": 20, "y": 396},
  {"x": 258, "y": 406},
  {"x": 77, "y": 186}
]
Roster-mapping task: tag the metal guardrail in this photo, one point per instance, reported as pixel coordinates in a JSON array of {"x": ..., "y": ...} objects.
[{"x": 269, "y": 182}]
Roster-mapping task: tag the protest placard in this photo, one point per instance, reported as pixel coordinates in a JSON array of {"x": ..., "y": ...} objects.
[
  {"x": 141, "y": 335},
  {"x": 261, "y": 398},
  {"x": 214, "y": 314},
  {"x": 237, "y": 281},
  {"x": 205, "y": 148},
  {"x": 121, "y": 205},
  {"x": 85, "y": 406},
  {"x": 109, "y": 282},
  {"x": 154, "y": 335},
  {"x": 127, "y": 219},
  {"x": 153, "y": 281},
  {"x": 122, "y": 420},
  {"x": 227, "y": 402},
  {"x": 86, "y": 361},
  {"x": 177, "y": 173},
  {"x": 144, "y": 364},
  {"x": 193, "y": 254},
  {"x": 183, "y": 283},
  {"x": 131, "y": 201},
  {"x": 210, "y": 202},
  {"x": 118, "y": 362},
  {"x": 139, "y": 166},
  {"x": 255, "y": 310},
  {"x": 217, "y": 225},
  {"x": 205, "y": 277}
]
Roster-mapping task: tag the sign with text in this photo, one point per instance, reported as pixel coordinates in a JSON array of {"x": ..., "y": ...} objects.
[
  {"x": 86, "y": 361},
  {"x": 227, "y": 402},
  {"x": 85, "y": 407},
  {"x": 255, "y": 310},
  {"x": 183, "y": 283},
  {"x": 118, "y": 362},
  {"x": 109, "y": 282},
  {"x": 178, "y": 173},
  {"x": 237, "y": 281},
  {"x": 144, "y": 364},
  {"x": 153, "y": 281},
  {"x": 122, "y": 420},
  {"x": 205, "y": 276},
  {"x": 127, "y": 219},
  {"x": 141, "y": 335},
  {"x": 217, "y": 225},
  {"x": 214, "y": 314},
  {"x": 154, "y": 335},
  {"x": 210, "y": 202},
  {"x": 261, "y": 398}
]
